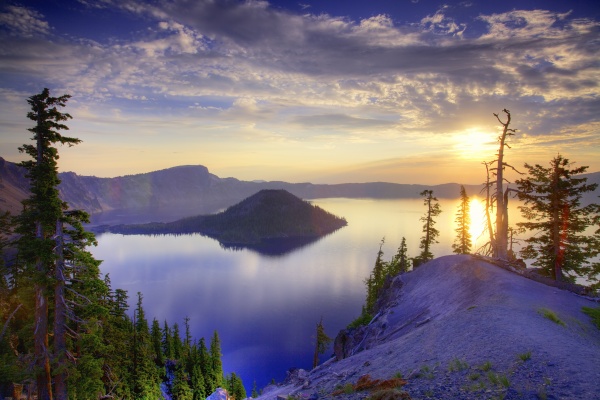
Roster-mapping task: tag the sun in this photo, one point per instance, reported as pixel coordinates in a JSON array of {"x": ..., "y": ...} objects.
[
  {"x": 474, "y": 144},
  {"x": 478, "y": 219}
]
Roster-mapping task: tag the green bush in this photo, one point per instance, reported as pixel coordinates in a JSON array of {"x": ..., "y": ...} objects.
[
  {"x": 546, "y": 313},
  {"x": 525, "y": 356},
  {"x": 362, "y": 320},
  {"x": 594, "y": 313}
]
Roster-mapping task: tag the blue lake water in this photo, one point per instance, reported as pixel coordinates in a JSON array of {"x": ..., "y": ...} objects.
[{"x": 265, "y": 308}]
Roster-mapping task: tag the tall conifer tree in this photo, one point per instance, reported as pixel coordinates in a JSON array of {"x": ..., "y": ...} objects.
[
  {"x": 553, "y": 211},
  {"x": 462, "y": 243},
  {"x": 215, "y": 361},
  {"x": 37, "y": 225},
  {"x": 430, "y": 233}
]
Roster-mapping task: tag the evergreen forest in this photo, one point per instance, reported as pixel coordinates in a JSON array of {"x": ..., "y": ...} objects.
[{"x": 65, "y": 331}]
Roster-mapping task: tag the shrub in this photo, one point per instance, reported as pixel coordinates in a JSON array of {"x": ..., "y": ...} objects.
[
  {"x": 457, "y": 365},
  {"x": 525, "y": 356},
  {"x": 363, "y": 319},
  {"x": 551, "y": 316},
  {"x": 594, "y": 313},
  {"x": 486, "y": 366}
]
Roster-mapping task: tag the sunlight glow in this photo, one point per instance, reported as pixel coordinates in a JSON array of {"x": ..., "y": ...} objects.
[
  {"x": 477, "y": 216},
  {"x": 473, "y": 143}
]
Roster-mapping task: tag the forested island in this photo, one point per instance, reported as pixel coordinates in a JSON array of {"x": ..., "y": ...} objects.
[{"x": 266, "y": 215}]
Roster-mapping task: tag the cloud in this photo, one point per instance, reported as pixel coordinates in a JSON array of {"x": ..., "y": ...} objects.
[
  {"x": 340, "y": 121},
  {"x": 277, "y": 74},
  {"x": 22, "y": 21}
]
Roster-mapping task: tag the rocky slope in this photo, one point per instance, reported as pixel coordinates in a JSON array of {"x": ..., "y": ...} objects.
[{"x": 461, "y": 328}]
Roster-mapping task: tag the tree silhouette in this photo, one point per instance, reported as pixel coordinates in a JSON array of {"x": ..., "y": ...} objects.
[
  {"x": 462, "y": 243},
  {"x": 430, "y": 233}
]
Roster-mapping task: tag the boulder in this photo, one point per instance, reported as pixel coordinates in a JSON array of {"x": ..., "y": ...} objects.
[{"x": 219, "y": 394}]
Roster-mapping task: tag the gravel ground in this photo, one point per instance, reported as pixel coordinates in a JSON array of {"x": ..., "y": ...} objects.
[{"x": 461, "y": 328}]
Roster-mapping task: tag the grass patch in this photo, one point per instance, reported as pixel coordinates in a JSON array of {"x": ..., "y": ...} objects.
[
  {"x": 498, "y": 380},
  {"x": 348, "y": 388},
  {"x": 474, "y": 376},
  {"x": 525, "y": 356},
  {"x": 504, "y": 381},
  {"x": 551, "y": 315},
  {"x": 457, "y": 365},
  {"x": 594, "y": 313},
  {"x": 486, "y": 366},
  {"x": 476, "y": 387},
  {"x": 424, "y": 372}
]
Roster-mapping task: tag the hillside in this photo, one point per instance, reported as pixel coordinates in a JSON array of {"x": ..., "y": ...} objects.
[
  {"x": 266, "y": 215},
  {"x": 462, "y": 328}
]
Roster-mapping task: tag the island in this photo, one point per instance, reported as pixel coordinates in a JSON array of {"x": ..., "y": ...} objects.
[{"x": 269, "y": 216}]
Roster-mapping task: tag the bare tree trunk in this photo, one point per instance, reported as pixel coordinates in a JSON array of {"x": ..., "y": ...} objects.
[
  {"x": 488, "y": 207},
  {"x": 500, "y": 250},
  {"x": 40, "y": 336},
  {"x": 60, "y": 318},
  {"x": 42, "y": 358}
]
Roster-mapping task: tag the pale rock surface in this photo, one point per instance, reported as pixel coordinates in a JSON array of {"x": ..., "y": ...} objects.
[{"x": 460, "y": 327}]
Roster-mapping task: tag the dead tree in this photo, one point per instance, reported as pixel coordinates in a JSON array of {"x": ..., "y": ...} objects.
[{"x": 501, "y": 235}]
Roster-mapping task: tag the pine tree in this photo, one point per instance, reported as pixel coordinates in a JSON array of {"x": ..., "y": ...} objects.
[
  {"x": 177, "y": 345},
  {"x": 42, "y": 212},
  {"x": 118, "y": 338},
  {"x": 145, "y": 375},
  {"x": 430, "y": 233},
  {"x": 180, "y": 389},
  {"x": 167, "y": 342},
  {"x": 375, "y": 281},
  {"x": 215, "y": 362},
  {"x": 255, "y": 393},
  {"x": 235, "y": 387},
  {"x": 554, "y": 213},
  {"x": 322, "y": 341},
  {"x": 400, "y": 263},
  {"x": 156, "y": 337},
  {"x": 206, "y": 367},
  {"x": 462, "y": 243},
  {"x": 197, "y": 382}
]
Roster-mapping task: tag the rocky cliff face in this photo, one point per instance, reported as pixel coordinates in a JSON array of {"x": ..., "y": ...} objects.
[{"x": 461, "y": 328}]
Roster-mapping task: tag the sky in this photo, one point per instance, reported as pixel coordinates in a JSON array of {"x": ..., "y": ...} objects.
[{"x": 322, "y": 91}]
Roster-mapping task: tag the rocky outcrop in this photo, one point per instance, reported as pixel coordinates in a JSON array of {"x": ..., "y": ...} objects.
[
  {"x": 462, "y": 327},
  {"x": 219, "y": 394}
]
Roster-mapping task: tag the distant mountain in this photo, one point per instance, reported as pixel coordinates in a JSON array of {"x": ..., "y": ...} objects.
[
  {"x": 258, "y": 220},
  {"x": 178, "y": 192}
]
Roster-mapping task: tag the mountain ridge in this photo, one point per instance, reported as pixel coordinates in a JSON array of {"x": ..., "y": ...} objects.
[{"x": 181, "y": 191}]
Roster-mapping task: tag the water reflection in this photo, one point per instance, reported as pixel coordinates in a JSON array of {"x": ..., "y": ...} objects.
[
  {"x": 272, "y": 247},
  {"x": 265, "y": 308}
]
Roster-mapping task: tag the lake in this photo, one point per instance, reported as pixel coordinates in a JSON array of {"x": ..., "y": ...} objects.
[{"x": 265, "y": 308}]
